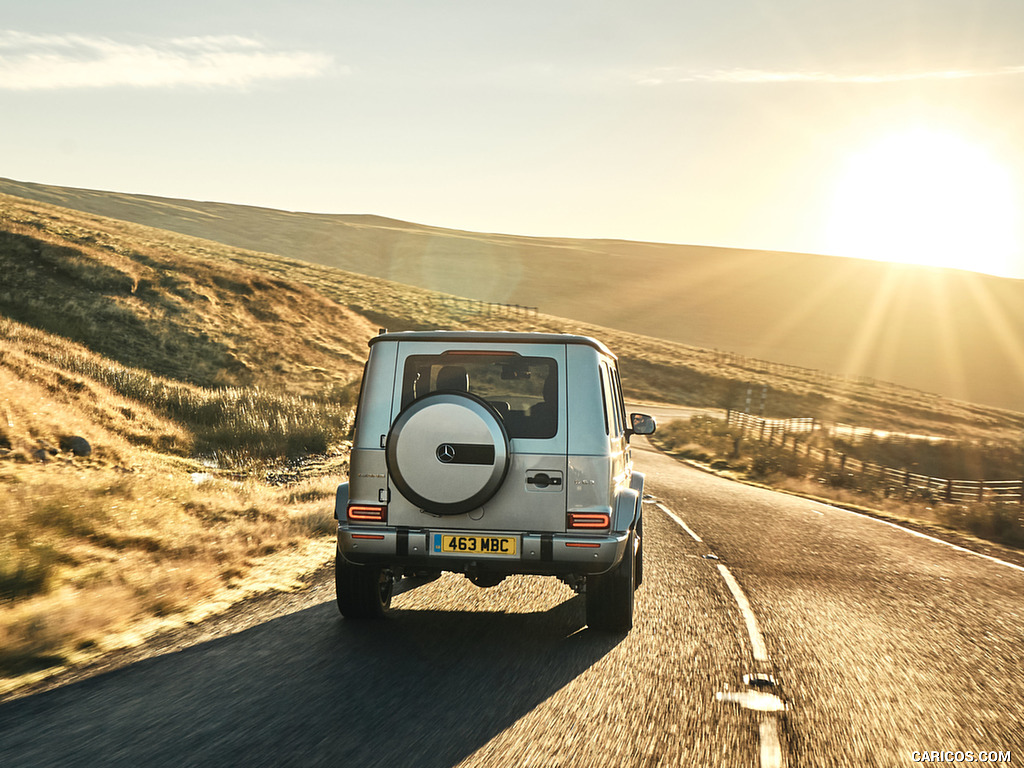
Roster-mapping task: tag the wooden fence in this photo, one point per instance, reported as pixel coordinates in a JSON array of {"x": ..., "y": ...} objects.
[
  {"x": 787, "y": 434},
  {"x": 766, "y": 429}
]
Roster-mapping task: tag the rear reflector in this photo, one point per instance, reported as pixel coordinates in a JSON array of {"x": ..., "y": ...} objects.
[
  {"x": 588, "y": 544},
  {"x": 589, "y": 520},
  {"x": 373, "y": 536},
  {"x": 367, "y": 513}
]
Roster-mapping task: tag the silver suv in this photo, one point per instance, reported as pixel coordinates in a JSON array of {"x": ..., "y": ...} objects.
[{"x": 491, "y": 454}]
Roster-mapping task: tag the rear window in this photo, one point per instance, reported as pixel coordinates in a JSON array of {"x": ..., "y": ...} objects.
[{"x": 523, "y": 390}]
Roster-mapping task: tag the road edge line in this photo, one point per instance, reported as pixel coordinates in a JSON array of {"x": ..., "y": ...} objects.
[{"x": 905, "y": 525}]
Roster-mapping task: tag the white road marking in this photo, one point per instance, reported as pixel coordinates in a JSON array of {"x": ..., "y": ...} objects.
[
  {"x": 920, "y": 535},
  {"x": 679, "y": 521},
  {"x": 757, "y": 646},
  {"x": 759, "y": 701},
  {"x": 771, "y": 749}
]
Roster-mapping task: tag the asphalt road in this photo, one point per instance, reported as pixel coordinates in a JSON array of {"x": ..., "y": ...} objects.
[{"x": 867, "y": 643}]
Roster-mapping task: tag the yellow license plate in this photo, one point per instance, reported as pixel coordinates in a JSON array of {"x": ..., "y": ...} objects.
[{"x": 462, "y": 544}]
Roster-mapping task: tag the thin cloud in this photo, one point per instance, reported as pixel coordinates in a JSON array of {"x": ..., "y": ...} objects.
[
  {"x": 668, "y": 76},
  {"x": 46, "y": 62}
]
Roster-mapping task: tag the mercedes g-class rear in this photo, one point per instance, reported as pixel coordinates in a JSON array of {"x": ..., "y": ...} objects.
[{"x": 491, "y": 454}]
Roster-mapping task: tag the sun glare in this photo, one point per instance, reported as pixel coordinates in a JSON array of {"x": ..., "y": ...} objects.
[{"x": 926, "y": 197}]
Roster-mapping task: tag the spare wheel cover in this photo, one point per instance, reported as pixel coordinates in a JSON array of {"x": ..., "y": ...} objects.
[{"x": 448, "y": 452}]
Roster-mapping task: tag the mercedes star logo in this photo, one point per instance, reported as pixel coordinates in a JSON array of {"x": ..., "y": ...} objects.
[{"x": 446, "y": 453}]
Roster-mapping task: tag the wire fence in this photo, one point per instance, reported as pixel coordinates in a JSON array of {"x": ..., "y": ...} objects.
[
  {"x": 489, "y": 308},
  {"x": 757, "y": 365},
  {"x": 792, "y": 434}
]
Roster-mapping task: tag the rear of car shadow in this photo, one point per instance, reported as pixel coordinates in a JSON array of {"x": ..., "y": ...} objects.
[{"x": 423, "y": 688}]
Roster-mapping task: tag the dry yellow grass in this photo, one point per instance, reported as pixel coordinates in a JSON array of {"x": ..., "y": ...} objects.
[
  {"x": 164, "y": 350},
  {"x": 166, "y": 357},
  {"x": 118, "y": 546},
  {"x": 948, "y": 331}
]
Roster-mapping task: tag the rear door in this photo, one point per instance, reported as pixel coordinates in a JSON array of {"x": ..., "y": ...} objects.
[{"x": 524, "y": 384}]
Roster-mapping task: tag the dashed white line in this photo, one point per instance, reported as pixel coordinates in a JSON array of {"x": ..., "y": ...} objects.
[
  {"x": 770, "y": 755},
  {"x": 679, "y": 521},
  {"x": 757, "y": 646},
  {"x": 771, "y": 749}
]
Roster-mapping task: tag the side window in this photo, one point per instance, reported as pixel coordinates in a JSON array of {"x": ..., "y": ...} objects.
[
  {"x": 612, "y": 417},
  {"x": 620, "y": 404},
  {"x": 613, "y": 404},
  {"x": 603, "y": 378}
]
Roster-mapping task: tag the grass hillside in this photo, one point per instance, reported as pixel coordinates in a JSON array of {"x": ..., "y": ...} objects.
[
  {"x": 148, "y": 384},
  {"x": 945, "y": 331},
  {"x": 197, "y": 373}
]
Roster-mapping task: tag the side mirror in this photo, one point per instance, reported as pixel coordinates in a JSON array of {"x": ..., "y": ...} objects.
[{"x": 642, "y": 424}]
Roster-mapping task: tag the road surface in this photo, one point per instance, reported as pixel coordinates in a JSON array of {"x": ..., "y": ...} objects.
[{"x": 770, "y": 631}]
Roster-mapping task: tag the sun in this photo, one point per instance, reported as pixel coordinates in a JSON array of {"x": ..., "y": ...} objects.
[{"x": 926, "y": 196}]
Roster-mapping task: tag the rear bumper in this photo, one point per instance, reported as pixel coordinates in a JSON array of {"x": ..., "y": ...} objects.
[{"x": 537, "y": 553}]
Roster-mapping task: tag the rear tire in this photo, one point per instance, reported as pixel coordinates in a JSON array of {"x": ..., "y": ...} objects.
[
  {"x": 610, "y": 595},
  {"x": 363, "y": 591}
]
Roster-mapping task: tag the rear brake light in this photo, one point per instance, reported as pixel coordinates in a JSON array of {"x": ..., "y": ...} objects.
[
  {"x": 481, "y": 353},
  {"x": 589, "y": 520},
  {"x": 367, "y": 513}
]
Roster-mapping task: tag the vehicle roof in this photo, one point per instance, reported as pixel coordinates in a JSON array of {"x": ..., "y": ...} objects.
[{"x": 493, "y": 337}]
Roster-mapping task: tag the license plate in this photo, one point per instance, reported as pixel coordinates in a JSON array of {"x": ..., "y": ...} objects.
[{"x": 485, "y": 546}]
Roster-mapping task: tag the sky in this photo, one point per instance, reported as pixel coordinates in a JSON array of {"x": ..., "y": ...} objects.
[{"x": 887, "y": 129}]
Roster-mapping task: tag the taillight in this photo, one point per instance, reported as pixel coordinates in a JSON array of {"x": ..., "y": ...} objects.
[
  {"x": 589, "y": 520},
  {"x": 367, "y": 513}
]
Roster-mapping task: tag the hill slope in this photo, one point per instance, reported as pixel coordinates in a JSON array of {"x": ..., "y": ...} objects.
[
  {"x": 200, "y": 314},
  {"x": 160, "y": 349},
  {"x": 953, "y": 332}
]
